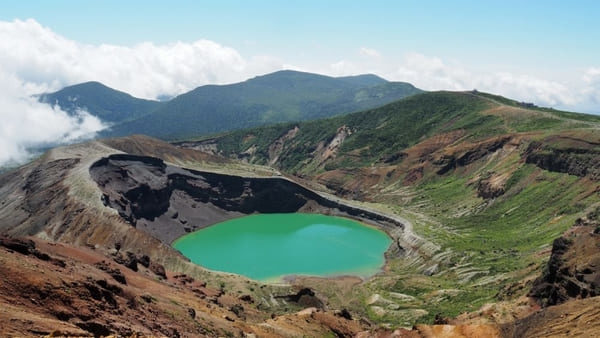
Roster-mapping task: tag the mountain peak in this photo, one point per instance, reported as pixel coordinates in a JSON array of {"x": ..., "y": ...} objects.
[
  {"x": 360, "y": 80},
  {"x": 365, "y": 79},
  {"x": 285, "y": 95},
  {"x": 108, "y": 104}
]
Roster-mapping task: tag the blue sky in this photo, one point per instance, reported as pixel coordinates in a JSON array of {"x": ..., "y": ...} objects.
[
  {"x": 546, "y": 52},
  {"x": 541, "y": 51},
  {"x": 512, "y": 32}
]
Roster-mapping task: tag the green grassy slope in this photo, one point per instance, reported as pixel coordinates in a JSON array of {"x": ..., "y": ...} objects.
[
  {"x": 272, "y": 98},
  {"x": 380, "y": 133},
  {"x": 492, "y": 246},
  {"x": 486, "y": 247},
  {"x": 99, "y": 100},
  {"x": 376, "y": 134}
]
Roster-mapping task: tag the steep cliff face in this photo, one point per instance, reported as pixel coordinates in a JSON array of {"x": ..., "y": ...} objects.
[
  {"x": 568, "y": 288},
  {"x": 573, "y": 270},
  {"x": 168, "y": 201},
  {"x": 469, "y": 153},
  {"x": 54, "y": 198},
  {"x": 569, "y": 153}
]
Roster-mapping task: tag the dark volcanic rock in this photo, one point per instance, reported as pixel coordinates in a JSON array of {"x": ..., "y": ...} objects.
[
  {"x": 487, "y": 190},
  {"x": 344, "y": 313},
  {"x": 103, "y": 291},
  {"x": 449, "y": 162},
  {"x": 22, "y": 246},
  {"x": 550, "y": 288},
  {"x": 577, "y": 161},
  {"x": 97, "y": 329},
  {"x": 573, "y": 270},
  {"x": 27, "y": 247},
  {"x": 184, "y": 279},
  {"x": 192, "y": 313},
  {"x": 394, "y": 158},
  {"x": 238, "y": 310},
  {"x": 158, "y": 270},
  {"x": 144, "y": 260},
  {"x": 168, "y": 201},
  {"x": 116, "y": 274},
  {"x": 130, "y": 261},
  {"x": 306, "y": 298},
  {"x": 247, "y": 299}
]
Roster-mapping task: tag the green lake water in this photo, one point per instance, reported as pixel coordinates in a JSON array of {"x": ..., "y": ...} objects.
[{"x": 267, "y": 247}]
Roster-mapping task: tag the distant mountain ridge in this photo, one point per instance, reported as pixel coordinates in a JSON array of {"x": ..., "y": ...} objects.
[
  {"x": 277, "y": 97},
  {"x": 108, "y": 104}
]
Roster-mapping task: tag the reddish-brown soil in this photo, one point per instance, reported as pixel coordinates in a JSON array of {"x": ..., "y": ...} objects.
[{"x": 49, "y": 288}]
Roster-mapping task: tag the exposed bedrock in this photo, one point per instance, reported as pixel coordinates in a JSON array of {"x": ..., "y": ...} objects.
[
  {"x": 575, "y": 161},
  {"x": 573, "y": 270},
  {"x": 168, "y": 201},
  {"x": 31, "y": 198},
  {"x": 463, "y": 157}
]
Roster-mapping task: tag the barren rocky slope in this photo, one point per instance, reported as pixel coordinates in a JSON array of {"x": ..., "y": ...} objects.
[
  {"x": 97, "y": 201},
  {"x": 113, "y": 266},
  {"x": 57, "y": 289}
]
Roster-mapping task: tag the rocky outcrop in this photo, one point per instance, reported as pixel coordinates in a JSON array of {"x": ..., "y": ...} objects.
[
  {"x": 574, "y": 161},
  {"x": 276, "y": 147},
  {"x": 27, "y": 247},
  {"x": 463, "y": 157},
  {"x": 557, "y": 284},
  {"x": 158, "y": 270},
  {"x": 573, "y": 270},
  {"x": 206, "y": 146},
  {"x": 490, "y": 187},
  {"x": 306, "y": 298},
  {"x": 113, "y": 272},
  {"x": 329, "y": 149}
]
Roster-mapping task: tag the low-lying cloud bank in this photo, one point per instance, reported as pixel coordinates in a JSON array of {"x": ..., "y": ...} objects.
[
  {"x": 34, "y": 59},
  {"x": 579, "y": 93},
  {"x": 27, "y": 125},
  {"x": 39, "y": 56}
]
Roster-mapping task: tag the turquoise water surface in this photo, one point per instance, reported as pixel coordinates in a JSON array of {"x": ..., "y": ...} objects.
[{"x": 269, "y": 246}]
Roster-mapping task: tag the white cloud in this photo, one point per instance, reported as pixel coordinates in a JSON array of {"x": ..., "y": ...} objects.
[
  {"x": 370, "y": 52},
  {"x": 44, "y": 60},
  {"x": 591, "y": 77},
  {"x": 432, "y": 73},
  {"x": 342, "y": 68},
  {"x": 27, "y": 124},
  {"x": 34, "y": 59},
  {"x": 39, "y": 56}
]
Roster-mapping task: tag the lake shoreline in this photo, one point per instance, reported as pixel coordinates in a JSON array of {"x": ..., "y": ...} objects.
[{"x": 272, "y": 247}]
